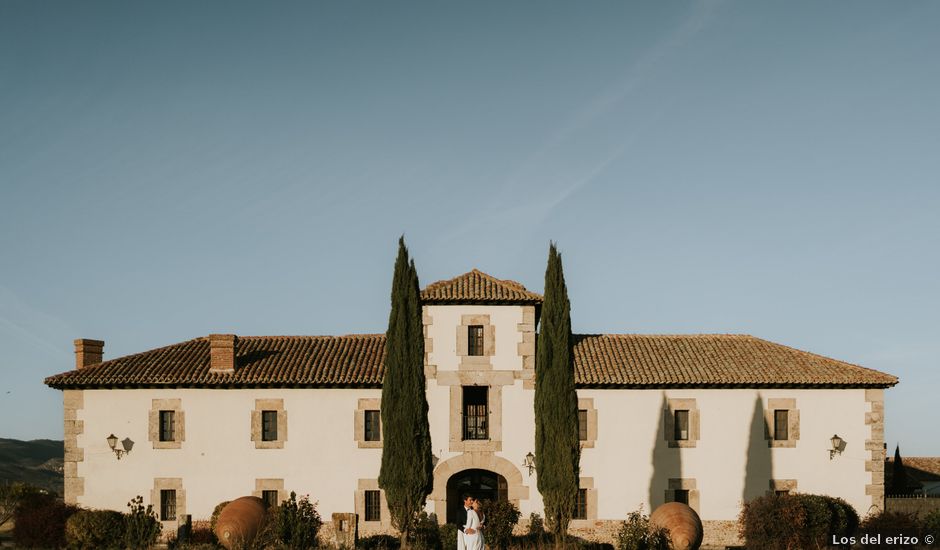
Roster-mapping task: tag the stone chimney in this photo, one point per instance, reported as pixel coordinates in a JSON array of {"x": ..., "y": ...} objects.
[
  {"x": 222, "y": 352},
  {"x": 88, "y": 352}
]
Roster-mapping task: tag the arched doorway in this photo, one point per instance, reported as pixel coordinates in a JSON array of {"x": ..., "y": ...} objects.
[{"x": 480, "y": 484}]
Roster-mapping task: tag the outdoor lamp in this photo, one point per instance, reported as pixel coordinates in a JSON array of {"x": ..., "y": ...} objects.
[
  {"x": 127, "y": 443},
  {"x": 529, "y": 462},
  {"x": 837, "y": 445}
]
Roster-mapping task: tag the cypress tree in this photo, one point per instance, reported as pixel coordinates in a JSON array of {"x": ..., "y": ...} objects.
[
  {"x": 899, "y": 479},
  {"x": 406, "y": 475},
  {"x": 557, "y": 449}
]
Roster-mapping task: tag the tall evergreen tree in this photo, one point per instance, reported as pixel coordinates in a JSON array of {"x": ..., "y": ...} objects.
[
  {"x": 557, "y": 449},
  {"x": 899, "y": 479},
  {"x": 406, "y": 475}
]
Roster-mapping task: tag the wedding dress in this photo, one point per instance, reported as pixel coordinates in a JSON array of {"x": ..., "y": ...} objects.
[{"x": 474, "y": 541}]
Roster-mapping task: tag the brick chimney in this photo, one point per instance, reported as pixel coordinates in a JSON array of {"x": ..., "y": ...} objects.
[
  {"x": 222, "y": 352},
  {"x": 88, "y": 352}
]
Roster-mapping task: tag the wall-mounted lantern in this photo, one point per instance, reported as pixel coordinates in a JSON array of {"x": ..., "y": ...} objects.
[
  {"x": 838, "y": 445},
  {"x": 127, "y": 443},
  {"x": 529, "y": 462}
]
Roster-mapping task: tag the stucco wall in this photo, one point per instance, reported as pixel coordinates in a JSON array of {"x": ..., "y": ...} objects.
[
  {"x": 630, "y": 464},
  {"x": 218, "y": 460}
]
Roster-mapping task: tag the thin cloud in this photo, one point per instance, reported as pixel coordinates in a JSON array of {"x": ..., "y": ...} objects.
[{"x": 540, "y": 171}]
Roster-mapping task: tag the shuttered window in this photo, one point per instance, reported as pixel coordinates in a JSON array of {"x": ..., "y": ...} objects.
[
  {"x": 580, "y": 505},
  {"x": 167, "y": 505},
  {"x": 373, "y": 506},
  {"x": 167, "y": 425},
  {"x": 268, "y": 425},
  {"x": 781, "y": 424},
  {"x": 475, "y": 340},
  {"x": 270, "y": 498},
  {"x": 373, "y": 430},
  {"x": 681, "y": 426},
  {"x": 582, "y": 425}
]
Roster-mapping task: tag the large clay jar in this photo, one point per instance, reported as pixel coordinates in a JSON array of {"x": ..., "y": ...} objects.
[
  {"x": 239, "y": 521},
  {"x": 683, "y": 524}
]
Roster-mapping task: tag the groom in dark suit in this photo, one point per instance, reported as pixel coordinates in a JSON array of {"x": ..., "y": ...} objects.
[{"x": 462, "y": 518}]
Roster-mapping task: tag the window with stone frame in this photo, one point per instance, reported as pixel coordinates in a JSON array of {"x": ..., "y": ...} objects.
[
  {"x": 167, "y": 505},
  {"x": 782, "y": 422},
  {"x": 373, "y": 425},
  {"x": 373, "y": 505},
  {"x": 268, "y": 425},
  {"x": 167, "y": 425},
  {"x": 475, "y": 340},
  {"x": 682, "y": 420},
  {"x": 681, "y": 495}
]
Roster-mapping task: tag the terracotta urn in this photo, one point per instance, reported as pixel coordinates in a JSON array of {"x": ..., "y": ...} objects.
[
  {"x": 239, "y": 521},
  {"x": 683, "y": 524}
]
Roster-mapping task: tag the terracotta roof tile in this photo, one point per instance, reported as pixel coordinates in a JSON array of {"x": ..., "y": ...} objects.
[
  {"x": 328, "y": 361},
  {"x": 640, "y": 360},
  {"x": 476, "y": 287},
  {"x": 625, "y": 360}
]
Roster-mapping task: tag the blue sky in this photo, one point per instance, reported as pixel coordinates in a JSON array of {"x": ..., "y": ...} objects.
[{"x": 173, "y": 169}]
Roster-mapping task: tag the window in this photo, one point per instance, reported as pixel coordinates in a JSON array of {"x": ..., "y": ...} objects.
[
  {"x": 582, "y": 425},
  {"x": 580, "y": 505},
  {"x": 782, "y": 492},
  {"x": 167, "y": 504},
  {"x": 373, "y": 430},
  {"x": 167, "y": 425},
  {"x": 373, "y": 506},
  {"x": 268, "y": 425},
  {"x": 681, "y": 425},
  {"x": 781, "y": 425},
  {"x": 681, "y": 495},
  {"x": 475, "y": 412},
  {"x": 475, "y": 340},
  {"x": 270, "y": 498}
]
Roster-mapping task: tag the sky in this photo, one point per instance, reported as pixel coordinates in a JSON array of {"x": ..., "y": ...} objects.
[{"x": 174, "y": 169}]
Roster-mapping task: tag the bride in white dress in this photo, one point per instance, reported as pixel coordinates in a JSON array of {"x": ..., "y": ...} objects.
[{"x": 474, "y": 541}]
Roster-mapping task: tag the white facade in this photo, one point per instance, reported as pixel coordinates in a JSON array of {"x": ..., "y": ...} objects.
[{"x": 628, "y": 463}]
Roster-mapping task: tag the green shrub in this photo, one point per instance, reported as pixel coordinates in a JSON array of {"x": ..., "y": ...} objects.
[
  {"x": 798, "y": 520},
  {"x": 296, "y": 523},
  {"x": 447, "y": 534},
  {"x": 636, "y": 533},
  {"x": 141, "y": 525},
  {"x": 426, "y": 535},
  {"x": 95, "y": 529},
  {"x": 889, "y": 524},
  {"x": 385, "y": 542},
  {"x": 536, "y": 525},
  {"x": 501, "y": 516},
  {"x": 931, "y": 524},
  {"x": 11, "y": 494},
  {"x": 39, "y": 521}
]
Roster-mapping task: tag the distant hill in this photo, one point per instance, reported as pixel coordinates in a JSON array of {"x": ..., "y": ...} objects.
[{"x": 38, "y": 462}]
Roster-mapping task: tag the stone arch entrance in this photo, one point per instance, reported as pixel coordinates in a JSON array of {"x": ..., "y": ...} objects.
[
  {"x": 480, "y": 484},
  {"x": 482, "y": 468}
]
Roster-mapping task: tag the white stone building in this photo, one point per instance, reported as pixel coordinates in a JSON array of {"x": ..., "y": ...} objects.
[{"x": 707, "y": 419}]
